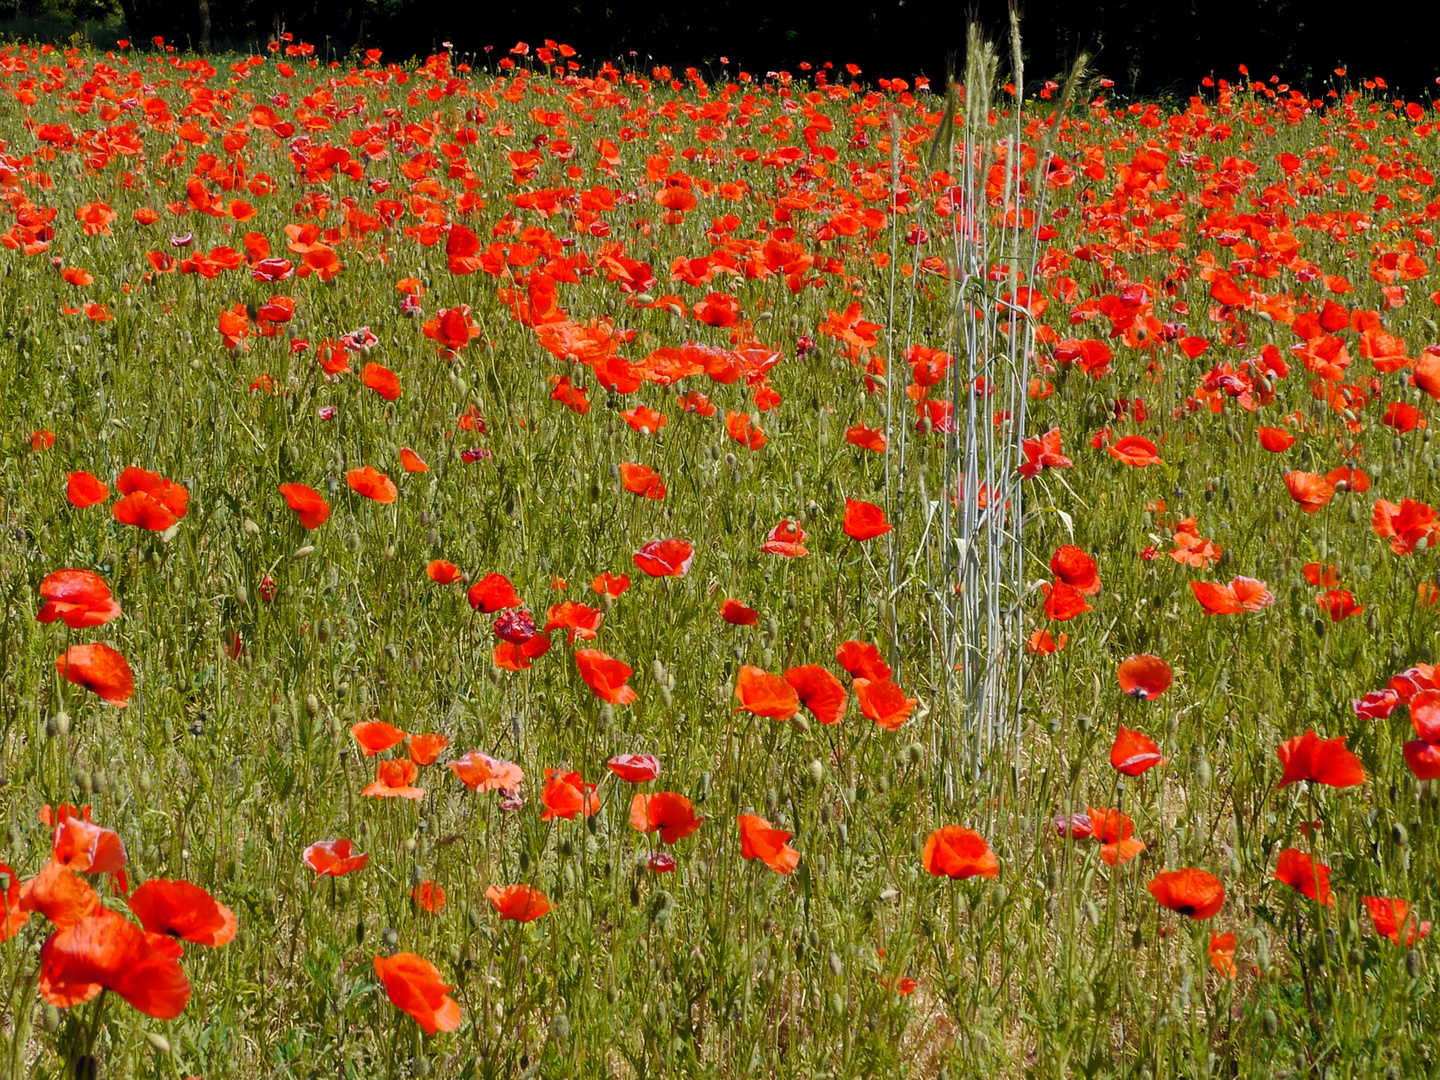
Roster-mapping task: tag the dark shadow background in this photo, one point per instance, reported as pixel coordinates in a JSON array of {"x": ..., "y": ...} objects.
[{"x": 1147, "y": 46}]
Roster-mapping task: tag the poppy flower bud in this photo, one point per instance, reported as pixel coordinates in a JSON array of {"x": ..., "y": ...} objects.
[
  {"x": 1414, "y": 964},
  {"x": 312, "y": 705},
  {"x": 524, "y": 862},
  {"x": 50, "y": 1019},
  {"x": 98, "y": 783},
  {"x": 1398, "y": 835},
  {"x": 1270, "y": 1023},
  {"x": 1203, "y": 774},
  {"x": 159, "y": 1043},
  {"x": 1092, "y": 912},
  {"x": 800, "y": 723},
  {"x": 914, "y": 754},
  {"x": 82, "y": 781},
  {"x": 731, "y": 461},
  {"x": 419, "y": 1066},
  {"x": 62, "y": 723}
]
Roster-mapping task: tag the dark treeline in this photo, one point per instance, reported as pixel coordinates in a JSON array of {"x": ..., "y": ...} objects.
[{"x": 1146, "y": 46}]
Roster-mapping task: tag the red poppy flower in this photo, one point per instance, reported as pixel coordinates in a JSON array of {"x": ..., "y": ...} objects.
[
  {"x": 819, "y": 691},
  {"x": 105, "y": 951},
  {"x": 82, "y": 490},
  {"x": 425, "y": 749},
  {"x": 516, "y": 627},
  {"x": 1410, "y": 527},
  {"x": 1423, "y": 758},
  {"x": 143, "y": 511},
  {"x": 1072, "y": 566},
  {"x": 519, "y": 903},
  {"x": 478, "y": 771},
  {"x": 308, "y": 504},
  {"x": 605, "y": 676},
  {"x": 1063, "y": 602},
  {"x": 1134, "y": 753},
  {"x": 78, "y": 598},
  {"x": 414, "y": 986},
  {"x": 864, "y": 521},
  {"x": 376, "y": 736},
  {"x": 884, "y": 702},
  {"x": 100, "y": 669},
  {"x": 80, "y": 845},
  {"x": 786, "y": 539},
  {"x": 1222, "y": 954},
  {"x": 1276, "y": 440},
  {"x": 862, "y": 661},
  {"x": 1393, "y": 917},
  {"x": 394, "y": 779},
  {"x": 372, "y": 485},
  {"x": 760, "y": 840},
  {"x": 566, "y": 795},
  {"x": 581, "y": 620},
  {"x": 493, "y": 593},
  {"x": 866, "y": 438},
  {"x": 737, "y": 614},
  {"x": 412, "y": 462},
  {"x": 171, "y": 495},
  {"x": 635, "y": 768},
  {"x": 763, "y": 694},
  {"x": 443, "y": 573},
  {"x": 608, "y": 584},
  {"x": 382, "y": 380},
  {"x": 956, "y": 852},
  {"x": 1321, "y": 761},
  {"x": 1144, "y": 676},
  {"x": 1242, "y": 594},
  {"x": 1189, "y": 892},
  {"x": 665, "y": 558},
  {"x": 1346, "y": 478},
  {"x": 1310, "y": 490},
  {"x": 642, "y": 480},
  {"x": 512, "y": 657},
  {"x": 428, "y": 897},
  {"x": 1339, "y": 604},
  {"x": 669, "y": 814},
  {"x": 334, "y": 858},
  {"x": 1135, "y": 450},
  {"x": 1322, "y": 577},
  {"x": 1043, "y": 452},
  {"x": 182, "y": 910},
  {"x": 1302, "y": 873}
]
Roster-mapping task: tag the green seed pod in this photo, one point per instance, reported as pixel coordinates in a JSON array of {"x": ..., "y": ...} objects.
[
  {"x": 837, "y": 966},
  {"x": 359, "y": 932},
  {"x": 816, "y": 770},
  {"x": 1414, "y": 963},
  {"x": 390, "y": 937},
  {"x": 800, "y": 722},
  {"x": 1399, "y": 835},
  {"x": 1092, "y": 912},
  {"x": 50, "y": 1019},
  {"x": 419, "y": 1066},
  {"x": 62, "y": 723},
  {"x": 1270, "y": 1023},
  {"x": 524, "y": 862},
  {"x": 159, "y": 1043},
  {"x": 1203, "y": 774}
]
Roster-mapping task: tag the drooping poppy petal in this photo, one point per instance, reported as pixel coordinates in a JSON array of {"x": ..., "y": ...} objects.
[
  {"x": 884, "y": 702},
  {"x": 372, "y": 485},
  {"x": 606, "y": 676},
  {"x": 78, "y": 598},
  {"x": 478, "y": 771},
  {"x": 334, "y": 858},
  {"x": 737, "y": 614},
  {"x": 376, "y": 736}
]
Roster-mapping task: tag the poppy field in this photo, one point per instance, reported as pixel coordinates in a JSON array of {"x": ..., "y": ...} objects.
[{"x": 519, "y": 567}]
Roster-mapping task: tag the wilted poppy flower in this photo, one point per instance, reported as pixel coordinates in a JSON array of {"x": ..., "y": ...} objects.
[
  {"x": 376, "y": 736},
  {"x": 334, "y": 858},
  {"x": 1190, "y": 892},
  {"x": 737, "y": 614},
  {"x": 669, "y": 814},
  {"x": 372, "y": 485},
  {"x": 1276, "y": 440},
  {"x": 1072, "y": 566},
  {"x": 1134, "y": 753},
  {"x": 1222, "y": 954},
  {"x": 308, "y": 504},
  {"x": 1310, "y": 490},
  {"x": 605, "y": 676},
  {"x": 763, "y": 694},
  {"x": 1321, "y": 761},
  {"x": 1392, "y": 918},
  {"x": 1135, "y": 450},
  {"x": 960, "y": 853},
  {"x": 106, "y": 951},
  {"x": 182, "y": 910},
  {"x": 99, "y": 669},
  {"x": 428, "y": 897},
  {"x": 566, "y": 795},
  {"x": 760, "y": 840},
  {"x": 1242, "y": 594},
  {"x": 1300, "y": 872},
  {"x": 665, "y": 558},
  {"x": 862, "y": 661},
  {"x": 394, "y": 779},
  {"x": 414, "y": 986},
  {"x": 1144, "y": 676},
  {"x": 493, "y": 593},
  {"x": 884, "y": 702},
  {"x": 443, "y": 573},
  {"x": 819, "y": 691},
  {"x": 516, "y": 627},
  {"x": 518, "y": 903},
  {"x": 424, "y": 749},
  {"x": 786, "y": 539},
  {"x": 382, "y": 380},
  {"x": 1063, "y": 602},
  {"x": 82, "y": 490},
  {"x": 78, "y": 598},
  {"x": 864, "y": 521},
  {"x": 478, "y": 771},
  {"x": 1074, "y": 826}
]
